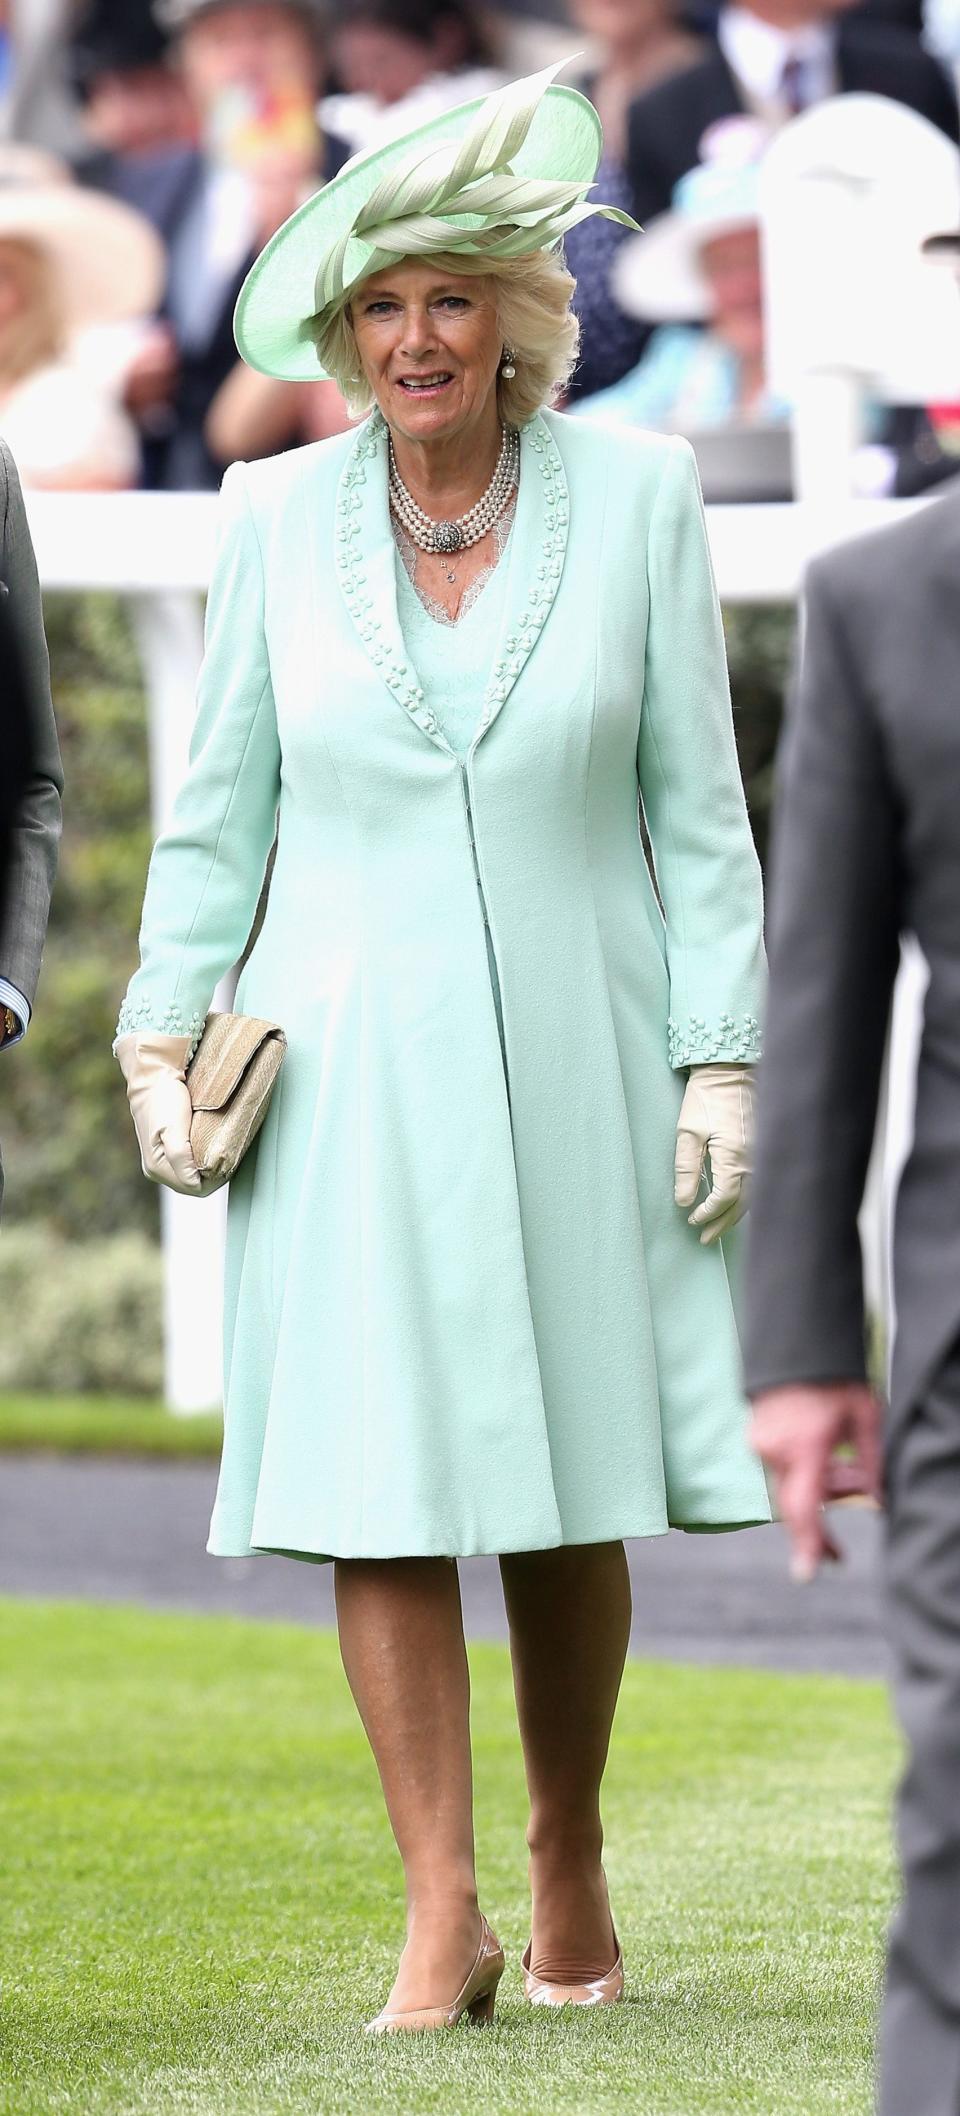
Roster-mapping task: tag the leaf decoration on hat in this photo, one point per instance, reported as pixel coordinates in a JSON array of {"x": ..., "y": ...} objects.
[{"x": 465, "y": 198}]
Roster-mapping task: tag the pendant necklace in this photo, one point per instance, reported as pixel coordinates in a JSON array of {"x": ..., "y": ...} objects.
[{"x": 448, "y": 538}]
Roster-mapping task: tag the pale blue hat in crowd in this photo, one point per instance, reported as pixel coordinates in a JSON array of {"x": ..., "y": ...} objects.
[{"x": 659, "y": 275}]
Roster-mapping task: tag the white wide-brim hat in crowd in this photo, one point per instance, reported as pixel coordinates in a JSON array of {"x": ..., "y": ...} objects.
[
  {"x": 659, "y": 275},
  {"x": 502, "y": 176},
  {"x": 109, "y": 261}
]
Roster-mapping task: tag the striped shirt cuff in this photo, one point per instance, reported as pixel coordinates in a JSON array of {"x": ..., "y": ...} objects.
[{"x": 10, "y": 997}]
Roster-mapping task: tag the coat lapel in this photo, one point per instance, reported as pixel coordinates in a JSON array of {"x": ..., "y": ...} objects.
[
  {"x": 366, "y": 568},
  {"x": 538, "y": 545},
  {"x": 365, "y": 555}
]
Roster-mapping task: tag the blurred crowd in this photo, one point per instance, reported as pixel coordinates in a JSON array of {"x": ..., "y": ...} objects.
[{"x": 148, "y": 148}]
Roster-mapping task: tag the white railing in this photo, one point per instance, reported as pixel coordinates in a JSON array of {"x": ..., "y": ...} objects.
[
  {"x": 162, "y": 542},
  {"x": 157, "y": 549}
]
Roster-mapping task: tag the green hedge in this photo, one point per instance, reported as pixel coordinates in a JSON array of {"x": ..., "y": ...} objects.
[{"x": 88, "y": 1314}]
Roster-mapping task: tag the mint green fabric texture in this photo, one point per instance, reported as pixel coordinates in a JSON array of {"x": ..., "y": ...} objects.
[
  {"x": 457, "y": 1319},
  {"x": 452, "y": 662}
]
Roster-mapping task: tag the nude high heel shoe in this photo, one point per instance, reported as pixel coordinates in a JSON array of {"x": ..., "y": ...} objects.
[
  {"x": 600, "y": 1991},
  {"x": 476, "y": 2000}
]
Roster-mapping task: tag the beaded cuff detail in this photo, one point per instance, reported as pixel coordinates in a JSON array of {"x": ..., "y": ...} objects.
[
  {"x": 170, "y": 1021},
  {"x": 723, "y": 1042}
]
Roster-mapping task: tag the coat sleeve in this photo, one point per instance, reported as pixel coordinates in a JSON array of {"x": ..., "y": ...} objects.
[
  {"x": 207, "y": 868},
  {"x": 834, "y": 947},
  {"x": 35, "y": 837},
  {"x": 707, "y": 870}
]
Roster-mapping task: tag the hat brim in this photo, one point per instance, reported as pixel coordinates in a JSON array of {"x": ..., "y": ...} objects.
[
  {"x": 109, "y": 260},
  {"x": 276, "y": 302},
  {"x": 659, "y": 277}
]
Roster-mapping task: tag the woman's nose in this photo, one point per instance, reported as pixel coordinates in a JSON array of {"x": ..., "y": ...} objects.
[{"x": 417, "y": 335}]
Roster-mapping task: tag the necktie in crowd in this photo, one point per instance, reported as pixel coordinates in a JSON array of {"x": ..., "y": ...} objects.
[{"x": 793, "y": 87}]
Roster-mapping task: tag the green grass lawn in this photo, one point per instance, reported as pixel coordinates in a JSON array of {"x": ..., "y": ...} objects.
[
  {"x": 200, "y": 1903},
  {"x": 99, "y": 1425}
]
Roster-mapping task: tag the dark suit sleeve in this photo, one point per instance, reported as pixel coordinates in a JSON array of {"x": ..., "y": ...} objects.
[
  {"x": 884, "y": 59},
  {"x": 35, "y": 839},
  {"x": 16, "y": 741},
  {"x": 941, "y": 108},
  {"x": 937, "y": 96},
  {"x": 650, "y": 178},
  {"x": 666, "y": 126},
  {"x": 834, "y": 945}
]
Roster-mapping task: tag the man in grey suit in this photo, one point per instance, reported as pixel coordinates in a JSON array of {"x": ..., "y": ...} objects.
[
  {"x": 33, "y": 849},
  {"x": 867, "y": 849}
]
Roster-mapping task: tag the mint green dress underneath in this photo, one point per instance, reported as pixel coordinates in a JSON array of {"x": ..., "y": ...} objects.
[{"x": 452, "y": 662}]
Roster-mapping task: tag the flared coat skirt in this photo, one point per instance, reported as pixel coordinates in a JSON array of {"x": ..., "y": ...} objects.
[{"x": 463, "y": 1313}]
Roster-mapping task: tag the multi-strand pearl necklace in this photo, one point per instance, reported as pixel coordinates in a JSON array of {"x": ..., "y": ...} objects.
[{"x": 466, "y": 529}]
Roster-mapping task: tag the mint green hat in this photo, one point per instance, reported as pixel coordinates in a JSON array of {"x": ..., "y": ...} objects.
[{"x": 502, "y": 176}]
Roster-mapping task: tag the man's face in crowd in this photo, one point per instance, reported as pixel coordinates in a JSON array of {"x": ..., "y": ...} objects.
[
  {"x": 619, "y": 22},
  {"x": 797, "y": 14},
  {"x": 256, "y": 47},
  {"x": 382, "y": 63}
]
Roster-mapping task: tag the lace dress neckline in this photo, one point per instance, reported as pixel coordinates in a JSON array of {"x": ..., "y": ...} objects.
[{"x": 410, "y": 556}]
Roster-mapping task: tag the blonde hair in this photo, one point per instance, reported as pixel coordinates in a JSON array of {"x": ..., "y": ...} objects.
[
  {"x": 532, "y": 297},
  {"x": 36, "y": 335}
]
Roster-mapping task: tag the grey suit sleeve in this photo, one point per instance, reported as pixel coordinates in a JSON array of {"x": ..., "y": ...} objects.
[
  {"x": 36, "y": 836},
  {"x": 834, "y": 937}
]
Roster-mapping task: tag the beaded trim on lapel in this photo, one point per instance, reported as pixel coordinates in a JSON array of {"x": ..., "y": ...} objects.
[
  {"x": 524, "y": 626},
  {"x": 350, "y": 561},
  {"x": 545, "y": 512}
]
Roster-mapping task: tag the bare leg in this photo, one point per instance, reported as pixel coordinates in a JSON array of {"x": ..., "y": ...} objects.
[
  {"x": 401, "y": 1639},
  {"x": 569, "y": 1614}
]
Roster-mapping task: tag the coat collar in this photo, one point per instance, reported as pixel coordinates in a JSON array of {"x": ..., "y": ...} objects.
[{"x": 366, "y": 567}]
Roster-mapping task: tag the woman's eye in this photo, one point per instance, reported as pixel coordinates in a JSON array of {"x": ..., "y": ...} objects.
[{"x": 453, "y": 301}]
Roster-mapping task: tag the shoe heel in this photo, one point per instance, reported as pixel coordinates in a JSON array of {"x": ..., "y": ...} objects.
[{"x": 480, "y": 2009}]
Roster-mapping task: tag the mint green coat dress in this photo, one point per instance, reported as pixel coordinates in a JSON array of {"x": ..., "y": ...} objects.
[{"x": 462, "y": 1311}]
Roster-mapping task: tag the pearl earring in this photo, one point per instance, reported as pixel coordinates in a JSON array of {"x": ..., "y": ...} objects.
[{"x": 508, "y": 367}]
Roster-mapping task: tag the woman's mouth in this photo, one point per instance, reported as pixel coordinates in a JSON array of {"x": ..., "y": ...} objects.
[{"x": 426, "y": 385}]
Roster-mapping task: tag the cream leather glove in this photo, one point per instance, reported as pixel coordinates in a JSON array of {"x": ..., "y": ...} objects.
[
  {"x": 153, "y": 1067},
  {"x": 716, "y": 1117}
]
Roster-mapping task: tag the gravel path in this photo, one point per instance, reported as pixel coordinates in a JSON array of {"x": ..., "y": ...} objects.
[{"x": 111, "y": 1530}]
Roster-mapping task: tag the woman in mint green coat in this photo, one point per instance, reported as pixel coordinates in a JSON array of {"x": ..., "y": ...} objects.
[{"x": 448, "y": 658}]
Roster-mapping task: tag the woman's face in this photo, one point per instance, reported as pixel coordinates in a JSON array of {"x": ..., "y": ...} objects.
[
  {"x": 430, "y": 346},
  {"x": 733, "y": 270}
]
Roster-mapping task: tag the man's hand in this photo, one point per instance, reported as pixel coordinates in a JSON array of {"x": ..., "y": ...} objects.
[
  {"x": 796, "y": 1431},
  {"x": 283, "y": 178},
  {"x": 151, "y": 379}
]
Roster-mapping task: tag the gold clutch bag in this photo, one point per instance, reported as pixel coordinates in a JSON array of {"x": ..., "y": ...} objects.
[{"x": 231, "y": 1078}]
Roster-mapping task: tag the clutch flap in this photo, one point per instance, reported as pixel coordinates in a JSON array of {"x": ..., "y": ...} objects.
[{"x": 229, "y": 1044}]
